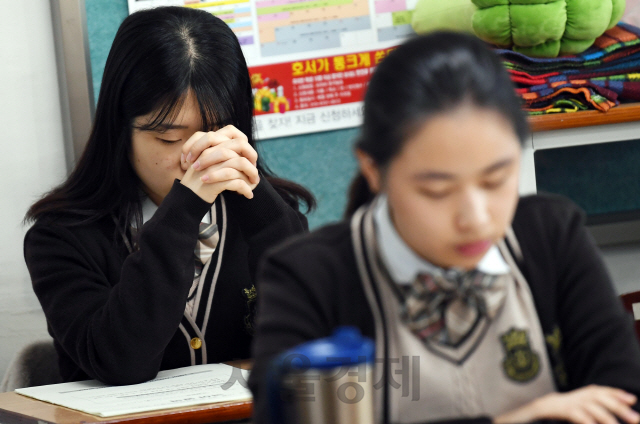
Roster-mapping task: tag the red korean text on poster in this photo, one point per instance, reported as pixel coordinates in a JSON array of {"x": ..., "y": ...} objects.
[{"x": 313, "y": 83}]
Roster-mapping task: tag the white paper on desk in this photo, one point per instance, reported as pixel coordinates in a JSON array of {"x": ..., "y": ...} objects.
[{"x": 187, "y": 386}]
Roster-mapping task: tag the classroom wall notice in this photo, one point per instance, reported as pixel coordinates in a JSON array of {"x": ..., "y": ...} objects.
[{"x": 309, "y": 60}]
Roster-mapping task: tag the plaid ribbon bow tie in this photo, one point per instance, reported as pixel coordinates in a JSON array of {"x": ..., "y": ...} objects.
[{"x": 446, "y": 308}]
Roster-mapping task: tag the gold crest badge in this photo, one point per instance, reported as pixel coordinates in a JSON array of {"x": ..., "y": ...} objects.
[
  {"x": 520, "y": 363},
  {"x": 250, "y": 296}
]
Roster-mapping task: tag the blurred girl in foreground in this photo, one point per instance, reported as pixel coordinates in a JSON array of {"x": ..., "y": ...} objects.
[{"x": 500, "y": 308}]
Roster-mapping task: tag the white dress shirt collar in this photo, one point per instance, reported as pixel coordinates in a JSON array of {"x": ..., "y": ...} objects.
[{"x": 404, "y": 264}]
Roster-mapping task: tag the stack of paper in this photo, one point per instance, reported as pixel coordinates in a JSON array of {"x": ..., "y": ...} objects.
[{"x": 180, "y": 387}]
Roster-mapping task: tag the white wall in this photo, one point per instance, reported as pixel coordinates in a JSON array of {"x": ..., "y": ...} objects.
[
  {"x": 31, "y": 157},
  {"x": 632, "y": 13}
]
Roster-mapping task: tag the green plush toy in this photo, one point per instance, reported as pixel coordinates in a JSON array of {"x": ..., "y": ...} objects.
[{"x": 540, "y": 28}]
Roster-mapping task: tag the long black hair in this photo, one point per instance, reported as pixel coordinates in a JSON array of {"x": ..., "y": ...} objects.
[
  {"x": 157, "y": 57},
  {"x": 425, "y": 76}
]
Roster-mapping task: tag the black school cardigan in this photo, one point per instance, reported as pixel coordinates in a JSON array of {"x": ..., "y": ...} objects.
[
  {"x": 115, "y": 316},
  {"x": 310, "y": 285}
]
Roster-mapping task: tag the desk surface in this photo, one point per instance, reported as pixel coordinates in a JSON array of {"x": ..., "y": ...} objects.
[
  {"x": 18, "y": 409},
  {"x": 15, "y": 408},
  {"x": 557, "y": 121}
]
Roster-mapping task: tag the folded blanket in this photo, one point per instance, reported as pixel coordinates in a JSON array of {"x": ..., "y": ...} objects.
[
  {"x": 559, "y": 105},
  {"x": 618, "y": 42},
  {"x": 536, "y": 101},
  {"x": 618, "y": 87},
  {"x": 599, "y": 78}
]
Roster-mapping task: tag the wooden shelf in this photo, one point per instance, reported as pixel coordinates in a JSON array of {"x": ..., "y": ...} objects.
[{"x": 558, "y": 121}]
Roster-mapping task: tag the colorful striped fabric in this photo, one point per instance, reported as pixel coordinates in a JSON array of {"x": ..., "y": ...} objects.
[
  {"x": 599, "y": 78},
  {"x": 560, "y": 105}
]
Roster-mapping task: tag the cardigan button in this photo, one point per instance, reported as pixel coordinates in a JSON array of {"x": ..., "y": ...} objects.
[{"x": 196, "y": 343}]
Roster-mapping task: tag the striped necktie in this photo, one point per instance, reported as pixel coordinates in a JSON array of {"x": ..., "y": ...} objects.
[{"x": 208, "y": 237}]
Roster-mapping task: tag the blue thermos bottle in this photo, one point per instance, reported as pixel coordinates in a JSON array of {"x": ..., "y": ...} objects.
[{"x": 325, "y": 381}]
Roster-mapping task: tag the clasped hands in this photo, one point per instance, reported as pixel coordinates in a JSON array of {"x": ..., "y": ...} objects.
[{"x": 221, "y": 160}]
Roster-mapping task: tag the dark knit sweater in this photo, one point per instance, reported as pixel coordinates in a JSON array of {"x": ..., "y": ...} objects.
[
  {"x": 310, "y": 285},
  {"x": 114, "y": 316}
]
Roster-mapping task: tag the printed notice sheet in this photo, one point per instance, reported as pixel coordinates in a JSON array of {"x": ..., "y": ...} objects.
[{"x": 180, "y": 387}]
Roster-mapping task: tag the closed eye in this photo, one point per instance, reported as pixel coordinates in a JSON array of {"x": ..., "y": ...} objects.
[
  {"x": 498, "y": 177},
  {"x": 166, "y": 141},
  {"x": 435, "y": 194},
  {"x": 494, "y": 184}
]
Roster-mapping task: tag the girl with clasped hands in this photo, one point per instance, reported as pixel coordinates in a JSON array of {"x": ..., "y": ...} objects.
[{"x": 144, "y": 259}]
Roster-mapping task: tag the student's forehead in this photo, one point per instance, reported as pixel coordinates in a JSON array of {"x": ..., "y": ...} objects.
[
  {"x": 175, "y": 119},
  {"x": 451, "y": 150},
  {"x": 465, "y": 128}
]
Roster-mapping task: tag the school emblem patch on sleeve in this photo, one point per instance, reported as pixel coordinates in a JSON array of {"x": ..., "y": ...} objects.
[
  {"x": 249, "y": 320},
  {"x": 521, "y": 364}
]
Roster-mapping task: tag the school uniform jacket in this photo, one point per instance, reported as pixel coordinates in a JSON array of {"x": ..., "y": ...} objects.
[
  {"x": 119, "y": 317},
  {"x": 311, "y": 284}
]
